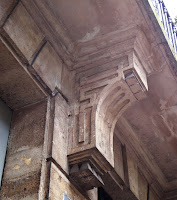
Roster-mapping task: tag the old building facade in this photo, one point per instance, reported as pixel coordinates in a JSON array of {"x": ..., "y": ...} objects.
[{"x": 90, "y": 92}]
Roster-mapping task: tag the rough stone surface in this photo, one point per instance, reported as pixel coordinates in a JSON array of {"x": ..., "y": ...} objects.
[
  {"x": 110, "y": 61},
  {"x": 53, "y": 71},
  {"x": 152, "y": 195},
  {"x": 24, "y": 154},
  {"x": 17, "y": 88},
  {"x": 59, "y": 186},
  {"x": 5, "y": 8},
  {"x": 24, "y": 32},
  {"x": 138, "y": 184},
  {"x": 60, "y": 134},
  {"x": 118, "y": 156}
]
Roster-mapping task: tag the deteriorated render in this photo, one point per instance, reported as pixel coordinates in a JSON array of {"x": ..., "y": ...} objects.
[{"x": 88, "y": 90}]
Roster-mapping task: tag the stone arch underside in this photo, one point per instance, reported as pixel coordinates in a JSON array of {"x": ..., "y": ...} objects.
[
  {"x": 92, "y": 160},
  {"x": 114, "y": 100},
  {"x": 104, "y": 92}
]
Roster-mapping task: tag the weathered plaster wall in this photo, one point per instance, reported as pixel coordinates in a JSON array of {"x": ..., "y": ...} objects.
[
  {"x": 38, "y": 134},
  {"x": 60, "y": 133},
  {"x": 60, "y": 183},
  {"x": 24, "y": 154},
  {"x": 59, "y": 186},
  {"x": 99, "y": 64},
  {"x": 138, "y": 183},
  {"x": 118, "y": 158},
  {"x": 29, "y": 152},
  {"x": 34, "y": 49}
]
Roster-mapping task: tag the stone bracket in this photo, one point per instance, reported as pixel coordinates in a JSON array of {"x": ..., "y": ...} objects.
[
  {"x": 87, "y": 168},
  {"x": 135, "y": 83},
  {"x": 85, "y": 175}
]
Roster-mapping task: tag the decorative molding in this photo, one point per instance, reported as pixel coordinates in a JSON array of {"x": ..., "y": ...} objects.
[
  {"x": 110, "y": 46},
  {"x": 137, "y": 85},
  {"x": 92, "y": 156},
  {"x": 85, "y": 175},
  {"x": 94, "y": 168},
  {"x": 103, "y": 95},
  {"x": 54, "y": 29}
]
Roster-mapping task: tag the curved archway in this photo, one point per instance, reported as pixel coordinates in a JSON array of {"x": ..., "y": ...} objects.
[{"x": 113, "y": 101}]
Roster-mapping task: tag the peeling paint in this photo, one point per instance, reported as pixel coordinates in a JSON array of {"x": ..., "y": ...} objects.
[
  {"x": 26, "y": 160},
  {"x": 91, "y": 35},
  {"x": 16, "y": 167},
  {"x": 22, "y": 148}
]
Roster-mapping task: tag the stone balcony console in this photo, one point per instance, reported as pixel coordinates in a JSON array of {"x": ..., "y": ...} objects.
[{"x": 92, "y": 86}]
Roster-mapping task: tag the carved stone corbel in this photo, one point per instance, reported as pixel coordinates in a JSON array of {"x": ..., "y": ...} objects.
[{"x": 104, "y": 94}]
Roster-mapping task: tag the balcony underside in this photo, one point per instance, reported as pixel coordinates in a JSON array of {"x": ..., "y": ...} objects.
[{"x": 125, "y": 85}]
